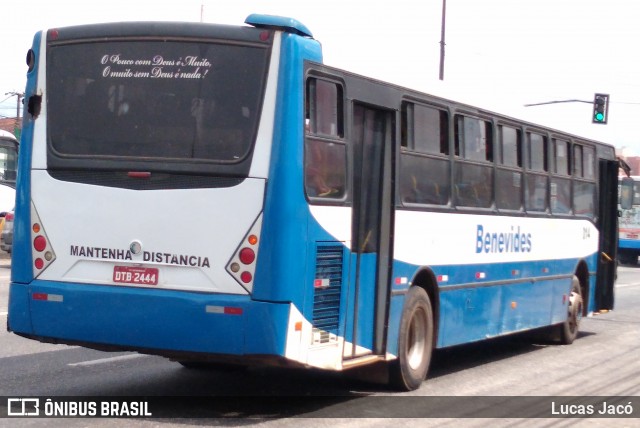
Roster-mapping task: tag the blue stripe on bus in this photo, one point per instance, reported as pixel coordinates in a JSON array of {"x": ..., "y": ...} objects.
[{"x": 629, "y": 243}]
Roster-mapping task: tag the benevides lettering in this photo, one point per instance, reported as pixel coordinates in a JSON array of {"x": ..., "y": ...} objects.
[
  {"x": 176, "y": 259},
  {"x": 513, "y": 241}
]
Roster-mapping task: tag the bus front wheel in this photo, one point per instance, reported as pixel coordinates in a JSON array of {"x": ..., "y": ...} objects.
[
  {"x": 415, "y": 341},
  {"x": 569, "y": 329}
]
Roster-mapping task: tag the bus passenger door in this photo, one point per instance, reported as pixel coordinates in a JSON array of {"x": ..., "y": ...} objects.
[
  {"x": 371, "y": 139},
  {"x": 608, "y": 227}
]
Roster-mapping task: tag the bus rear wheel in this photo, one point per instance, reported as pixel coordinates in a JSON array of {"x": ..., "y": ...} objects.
[
  {"x": 569, "y": 329},
  {"x": 415, "y": 341}
]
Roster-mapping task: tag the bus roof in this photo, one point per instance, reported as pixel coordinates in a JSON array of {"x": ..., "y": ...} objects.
[
  {"x": 7, "y": 135},
  {"x": 278, "y": 22}
]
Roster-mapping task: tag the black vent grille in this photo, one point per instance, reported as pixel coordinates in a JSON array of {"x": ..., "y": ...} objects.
[{"x": 327, "y": 292}]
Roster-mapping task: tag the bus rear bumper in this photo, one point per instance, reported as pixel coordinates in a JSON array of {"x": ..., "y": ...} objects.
[{"x": 162, "y": 322}]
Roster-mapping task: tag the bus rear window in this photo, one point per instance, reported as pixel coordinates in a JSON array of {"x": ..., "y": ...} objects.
[{"x": 164, "y": 100}]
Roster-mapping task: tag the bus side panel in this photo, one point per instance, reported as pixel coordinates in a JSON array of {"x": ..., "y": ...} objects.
[
  {"x": 629, "y": 244},
  {"x": 21, "y": 269},
  {"x": 266, "y": 329},
  {"x": 19, "y": 311},
  {"x": 528, "y": 305},
  {"x": 590, "y": 300},
  {"x": 286, "y": 211},
  {"x": 477, "y": 311},
  {"x": 395, "y": 315}
]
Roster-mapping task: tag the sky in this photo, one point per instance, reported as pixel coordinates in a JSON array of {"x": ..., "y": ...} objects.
[{"x": 499, "y": 54}]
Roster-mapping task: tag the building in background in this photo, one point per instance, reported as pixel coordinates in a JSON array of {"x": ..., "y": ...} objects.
[{"x": 11, "y": 124}]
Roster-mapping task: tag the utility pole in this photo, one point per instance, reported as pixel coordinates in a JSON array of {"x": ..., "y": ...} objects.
[
  {"x": 17, "y": 128},
  {"x": 19, "y": 97},
  {"x": 442, "y": 43}
]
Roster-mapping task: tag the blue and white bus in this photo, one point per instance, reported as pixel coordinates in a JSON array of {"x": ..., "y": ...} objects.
[
  {"x": 215, "y": 194},
  {"x": 629, "y": 237}
]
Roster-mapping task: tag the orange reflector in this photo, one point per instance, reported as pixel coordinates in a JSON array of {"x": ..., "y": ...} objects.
[
  {"x": 36, "y": 228},
  {"x": 514, "y": 305},
  {"x": 298, "y": 326},
  {"x": 252, "y": 239}
]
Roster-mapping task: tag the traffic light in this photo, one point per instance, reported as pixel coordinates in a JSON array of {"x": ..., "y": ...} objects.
[{"x": 600, "y": 108}]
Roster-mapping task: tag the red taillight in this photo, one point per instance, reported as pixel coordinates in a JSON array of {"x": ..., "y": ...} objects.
[
  {"x": 242, "y": 265},
  {"x": 40, "y": 243},
  {"x": 247, "y": 256},
  {"x": 9, "y": 217},
  {"x": 246, "y": 277},
  {"x": 42, "y": 252}
]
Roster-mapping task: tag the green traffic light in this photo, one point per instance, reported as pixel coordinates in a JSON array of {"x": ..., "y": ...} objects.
[{"x": 599, "y": 117}]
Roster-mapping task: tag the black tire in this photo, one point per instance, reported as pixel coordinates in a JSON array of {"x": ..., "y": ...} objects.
[
  {"x": 569, "y": 329},
  {"x": 415, "y": 341},
  {"x": 627, "y": 257}
]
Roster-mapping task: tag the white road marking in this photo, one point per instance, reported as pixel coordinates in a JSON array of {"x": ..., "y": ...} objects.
[{"x": 108, "y": 360}]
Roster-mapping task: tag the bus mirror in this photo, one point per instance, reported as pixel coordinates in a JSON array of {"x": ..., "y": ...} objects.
[{"x": 626, "y": 193}]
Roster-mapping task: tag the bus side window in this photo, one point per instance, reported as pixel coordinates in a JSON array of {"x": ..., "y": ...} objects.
[
  {"x": 584, "y": 188},
  {"x": 474, "y": 175},
  {"x": 626, "y": 193},
  {"x": 560, "y": 195},
  {"x": 325, "y": 159},
  {"x": 324, "y": 108},
  {"x": 424, "y": 169},
  {"x": 509, "y": 172},
  {"x": 537, "y": 178},
  {"x": 325, "y": 169}
]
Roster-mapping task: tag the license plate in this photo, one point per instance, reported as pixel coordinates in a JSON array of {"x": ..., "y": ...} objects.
[{"x": 135, "y": 275}]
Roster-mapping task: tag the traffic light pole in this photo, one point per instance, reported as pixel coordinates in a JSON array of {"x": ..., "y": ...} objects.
[
  {"x": 558, "y": 102},
  {"x": 600, "y": 105}
]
